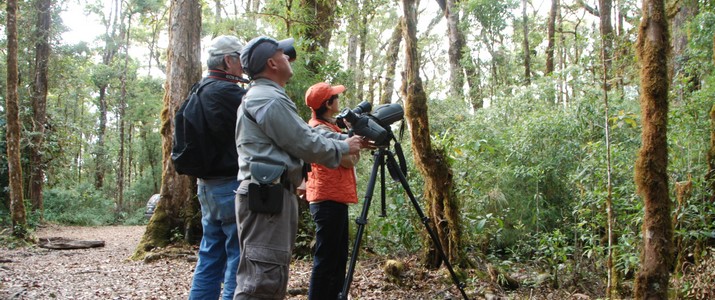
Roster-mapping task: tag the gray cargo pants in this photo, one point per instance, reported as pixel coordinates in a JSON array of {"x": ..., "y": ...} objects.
[{"x": 266, "y": 243}]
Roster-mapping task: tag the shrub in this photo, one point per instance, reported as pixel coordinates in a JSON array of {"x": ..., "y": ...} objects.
[{"x": 83, "y": 205}]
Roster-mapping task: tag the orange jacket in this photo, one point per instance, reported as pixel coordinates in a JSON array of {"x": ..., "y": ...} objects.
[{"x": 323, "y": 183}]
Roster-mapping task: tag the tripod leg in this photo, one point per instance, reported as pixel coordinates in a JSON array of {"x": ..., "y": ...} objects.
[
  {"x": 361, "y": 221},
  {"x": 394, "y": 169}
]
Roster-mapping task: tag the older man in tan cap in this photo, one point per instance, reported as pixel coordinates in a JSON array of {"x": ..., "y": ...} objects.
[{"x": 214, "y": 116}]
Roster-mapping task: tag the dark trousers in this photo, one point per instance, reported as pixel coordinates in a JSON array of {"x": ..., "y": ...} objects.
[{"x": 331, "y": 250}]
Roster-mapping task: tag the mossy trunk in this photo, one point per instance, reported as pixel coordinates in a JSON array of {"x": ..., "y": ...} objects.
[
  {"x": 13, "y": 133},
  {"x": 177, "y": 217},
  {"x": 442, "y": 207},
  {"x": 391, "y": 55},
  {"x": 651, "y": 166},
  {"x": 39, "y": 104},
  {"x": 450, "y": 9},
  {"x": 318, "y": 31},
  {"x": 710, "y": 176},
  {"x": 606, "y": 28},
  {"x": 683, "y": 191}
]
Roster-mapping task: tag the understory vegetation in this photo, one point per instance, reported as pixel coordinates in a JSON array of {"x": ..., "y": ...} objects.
[{"x": 531, "y": 181}]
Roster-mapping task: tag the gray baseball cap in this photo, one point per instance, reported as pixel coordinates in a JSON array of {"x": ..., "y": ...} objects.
[
  {"x": 257, "y": 52},
  {"x": 225, "y": 44}
]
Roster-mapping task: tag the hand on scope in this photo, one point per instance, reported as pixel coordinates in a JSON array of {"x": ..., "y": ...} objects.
[
  {"x": 366, "y": 143},
  {"x": 355, "y": 142}
]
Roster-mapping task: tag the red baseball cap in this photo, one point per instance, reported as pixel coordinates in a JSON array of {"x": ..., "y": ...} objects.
[{"x": 321, "y": 92}]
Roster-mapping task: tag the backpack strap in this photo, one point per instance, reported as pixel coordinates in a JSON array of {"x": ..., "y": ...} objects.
[{"x": 197, "y": 87}]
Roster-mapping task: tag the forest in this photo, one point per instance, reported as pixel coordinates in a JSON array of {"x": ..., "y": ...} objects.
[{"x": 552, "y": 145}]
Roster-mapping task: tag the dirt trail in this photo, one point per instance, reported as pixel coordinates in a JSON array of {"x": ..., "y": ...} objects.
[
  {"x": 97, "y": 273},
  {"x": 107, "y": 273}
]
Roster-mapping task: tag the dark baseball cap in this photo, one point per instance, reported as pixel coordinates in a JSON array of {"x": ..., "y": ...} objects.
[{"x": 257, "y": 51}]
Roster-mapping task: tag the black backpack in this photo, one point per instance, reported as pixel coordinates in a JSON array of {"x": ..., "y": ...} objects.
[{"x": 189, "y": 152}]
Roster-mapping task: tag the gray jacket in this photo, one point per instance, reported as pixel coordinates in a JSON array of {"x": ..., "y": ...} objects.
[{"x": 279, "y": 136}]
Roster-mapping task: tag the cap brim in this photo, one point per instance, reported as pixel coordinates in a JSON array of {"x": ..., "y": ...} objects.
[
  {"x": 287, "y": 43},
  {"x": 337, "y": 89}
]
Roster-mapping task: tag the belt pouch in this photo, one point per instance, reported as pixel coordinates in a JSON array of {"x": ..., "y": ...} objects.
[{"x": 265, "y": 192}]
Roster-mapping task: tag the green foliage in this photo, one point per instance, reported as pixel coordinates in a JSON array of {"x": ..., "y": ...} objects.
[
  {"x": 10, "y": 241},
  {"x": 136, "y": 217},
  {"x": 554, "y": 250},
  {"x": 82, "y": 205},
  {"x": 700, "y": 43},
  {"x": 399, "y": 229},
  {"x": 177, "y": 236}
]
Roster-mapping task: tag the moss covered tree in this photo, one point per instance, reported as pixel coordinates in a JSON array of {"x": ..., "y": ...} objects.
[
  {"x": 710, "y": 176},
  {"x": 318, "y": 28},
  {"x": 392, "y": 52},
  {"x": 177, "y": 214},
  {"x": 39, "y": 102},
  {"x": 651, "y": 166},
  {"x": 442, "y": 207},
  {"x": 12, "y": 114}
]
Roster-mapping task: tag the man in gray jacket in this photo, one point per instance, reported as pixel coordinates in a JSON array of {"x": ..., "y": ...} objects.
[{"x": 270, "y": 131}]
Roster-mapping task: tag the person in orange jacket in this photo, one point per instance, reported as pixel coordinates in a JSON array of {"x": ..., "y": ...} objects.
[{"x": 329, "y": 191}]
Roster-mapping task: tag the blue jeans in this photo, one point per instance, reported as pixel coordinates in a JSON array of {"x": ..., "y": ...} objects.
[
  {"x": 331, "y": 249},
  {"x": 219, "y": 252}
]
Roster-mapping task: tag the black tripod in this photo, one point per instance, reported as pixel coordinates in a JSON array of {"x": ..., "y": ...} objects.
[{"x": 380, "y": 155}]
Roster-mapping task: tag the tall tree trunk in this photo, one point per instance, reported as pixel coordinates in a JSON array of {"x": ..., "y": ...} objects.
[
  {"x": 217, "y": 11},
  {"x": 438, "y": 190},
  {"x": 621, "y": 50},
  {"x": 110, "y": 49},
  {"x": 651, "y": 167},
  {"x": 121, "y": 168},
  {"x": 710, "y": 176},
  {"x": 320, "y": 16},
  {"x": 359, "y": 71},
  {"x": 527, "y": 51},
  {"x": 551, "y": 37},
  {"x": 461, "y": 64},
  {"x": 177, "y": 211},
  {"x": 39, "y": 103},
  {"x": 393, "y": 51},
  {"x": 606, "y": 63},
  {"x": 471, "y": 70},
  {"x": 611, "y": 269},
  {"x": 151, "y": 157},
  {"x": 607, "y": 37},
  {"x": 686, "y": 10},
  {"x": 352, "y": 32},
  {"x": 157, "y": 23},
  {"x": 456, "y": 43},
  {"x": 99, "y": 154},
  {"x": 562, "y": 92},
  {"x": 17, "y": 204}
]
